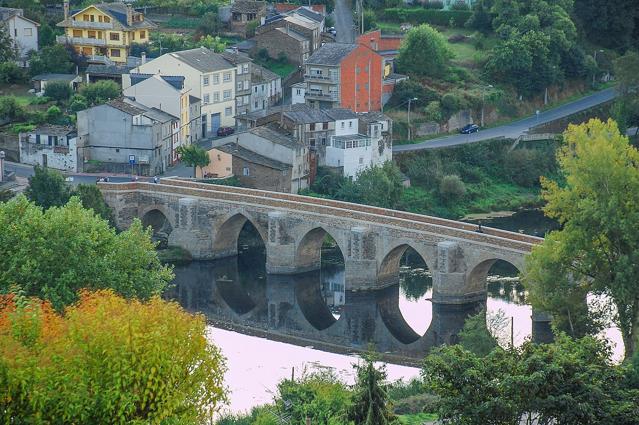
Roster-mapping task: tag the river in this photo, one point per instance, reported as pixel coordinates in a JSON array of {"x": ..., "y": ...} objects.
[{"x": 237, "y": 294}]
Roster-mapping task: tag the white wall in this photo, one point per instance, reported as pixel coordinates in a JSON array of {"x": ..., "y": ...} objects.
[
  {"x": 298, "y": 94},
  {"x": 31, "y": 154},
  {"x": 156, "y": 93},
  {"x": 18, "y": 29},
  {"x": 348, "y": 127}
]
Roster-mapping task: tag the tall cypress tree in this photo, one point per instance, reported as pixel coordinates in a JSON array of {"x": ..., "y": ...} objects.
[{"x": 370, "y": 404}]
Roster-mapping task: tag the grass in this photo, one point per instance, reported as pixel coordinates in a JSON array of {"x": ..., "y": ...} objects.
[
  {"x": 417, "y": 419},
  {"x": 280, "y": 68}
]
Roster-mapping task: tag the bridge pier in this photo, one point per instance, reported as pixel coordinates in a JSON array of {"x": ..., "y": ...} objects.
[
  {"x": 541, "y": 328},
  {"x": 360, "y": 265},
  {"x": 187, "y": 232}
]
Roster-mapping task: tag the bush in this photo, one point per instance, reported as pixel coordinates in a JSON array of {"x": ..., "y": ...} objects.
[
  {"x": 524, "y": 167},
  {"x": 78, "y": 103},
  {"x": 433, "y": 111},
  {"x": 424, "y": 52},
  {"x": 11, "y": 109},
  {"x": 419, "y": 403},
  {"x": 53, "y": 115},
  {"x": 11, "y": 73},
  {"x": 100, "y": 92},
  {"x": 419, "y": 16},
  {"x": 460, "y": 5},
  {"x": 58, "y": 90},
  {"x": 106, "y": 360},
  {"x": 433, "y": 4},
  {"x": 451, "y": 188}
]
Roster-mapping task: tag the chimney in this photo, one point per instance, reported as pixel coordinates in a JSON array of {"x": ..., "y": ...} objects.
[
  {"x": 129, "y": 15},
  {"x": 65, "y": 6},
  {"x": 143, "y": 59}
]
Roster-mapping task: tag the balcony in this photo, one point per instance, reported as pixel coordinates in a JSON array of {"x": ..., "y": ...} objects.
[
  {"x": 63, "y": 39},
  {"x": 321, "y": 78},
  {"x": 319, "y": 95},
  {"x": 92, "y": 25}
]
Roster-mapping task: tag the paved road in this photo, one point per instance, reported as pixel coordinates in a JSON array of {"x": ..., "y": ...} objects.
[
  {"x": 344, "y": 25},
  {"x": 514, "y": 129}
]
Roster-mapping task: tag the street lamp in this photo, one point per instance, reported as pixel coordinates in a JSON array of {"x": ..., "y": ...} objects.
[
  {"x": 483, "y": 90},
  {"x": 2, "y": 155},
  {"x": 409, "y": 102},
  {"x": 595, "y": 71}
]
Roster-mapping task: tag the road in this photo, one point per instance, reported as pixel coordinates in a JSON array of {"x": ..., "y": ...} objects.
[
  {"x": 516, "y": 128},
  {"x": 344, "y": 25}
]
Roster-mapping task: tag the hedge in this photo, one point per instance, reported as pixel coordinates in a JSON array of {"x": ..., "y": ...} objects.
[{"x": 427, "y": 16}]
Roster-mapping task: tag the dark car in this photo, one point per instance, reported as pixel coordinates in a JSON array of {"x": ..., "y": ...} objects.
[
  {"x": 225, "y": 131},
  {"x": 469, "y": 128}
]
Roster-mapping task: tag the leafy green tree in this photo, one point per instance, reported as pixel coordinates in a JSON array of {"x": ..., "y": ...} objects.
[
  {"x": 475, "y": 336},
  {"x": 370, "y": 20},
  {"x": 78, "y": 103},
  {"x": 194, "y": 156},
  {"x": 53, "y": 254},
  {"x": 58, "y": 90},
  {"x": 424, "y": 52},
  {"x": 609, "y": 23},
  {"x": 6, "y": 194},
  {"x": 46, "y": 35},
  {"x": 51, "y": 59},
  {"x": 370, "y": 403},
  {"x": 100, "y": 92},
  {"x": 626, "y": 109},
  {"x": 91, "y": 198},
  {"x": 451, "y": 188},
  {"x": 376, "y": 185},
  {"x": 597, "y": 250},
  {"x": 481, "y": 19},
  {"x": 11, "y": 73},
  {"x": 7, "y": 48},
  {"x": 11, "y": 109},
  {"x": 54, "y": 115},
  {"x": 47, "y": 188},
  {"x": 566, "y": 382},
  {"x": 106, "y": 360}
]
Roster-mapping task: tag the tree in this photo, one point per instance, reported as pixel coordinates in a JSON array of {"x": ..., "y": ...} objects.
[
  {"x": 58, "y": 90},
  {"x": 47, "y": 188},
  {"x": 476, "y": 337},
  {"x": 376, "y": 185},
  {"x": 100, "y": 92},
  {"x": 626, "y": 109},
  {"x": 11, "y": 109},
  {"x": 566, "y": 382},
  {"x": 194, "y": 156},
  {"x": 106, "y": 360},
  {"x": 451, "y": 188},
  {"x": 6, "y": 194},
  {"x": 51, "y": 59},
  {"x": 370, "y": 20},
  {"x": 11, "y": 73},
  {"x": 609, "y": 24},
  {"x": 91, "y": 198},
  {"x": 46, "y": 35},
  {"x": 597, "y": 250},
  {"x": 370, "y": 403},
  {"x": 7, "y": 48},
  {"x": 54, "y": 253},
  {"x": 424, "y": 52},
  {"x": 78, "y": 103}
]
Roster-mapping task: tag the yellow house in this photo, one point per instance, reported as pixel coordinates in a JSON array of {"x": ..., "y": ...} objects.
[{"x": 104, "y": 31}]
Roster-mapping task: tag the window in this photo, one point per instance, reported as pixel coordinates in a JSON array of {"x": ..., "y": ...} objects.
[
  {"x": 219, "y": 158},
  {"x": 142, "y": 35},
  {"x": 239, "y": 85},
  {"x": 350, "y": 124},
  {"x": 245, "y": 68},
  {"x": 312, "y": 126},
  {"x": 323, "y": 141},
  {"x": 357, "y": 70},
  {"x": 86, "y": 18},
  {"x": 256, "y": 104},
  {"x": 227, "y": 94},
  {"x": 216, "y": 78},
  {"x": 349, "y": 144},
  {"x": 299, "y": 91},
  {"x": 28, "y": 32},
  {"x": 357, "y": 87},
  {"x": 311, "y": 142},
  {"x": 77, "y": 33},
  {"x": 342, "y": 125},
  {"x": 361, "y": 160},
  {"x": 325, "y": 126},
  {"x": 99, "y": 18},
  {"x": 107, "y": 20},
  {"x": 205, "y": 81},
  {"x": 114, "y": 36},
  {"x": 227, "y": 77},
  {"x": 133, "y": 36},
  {"x": 228, "y": 111},
  {"x": 285, "y": 172},
  {"x": 207, "y": 98},
  {"x": 245, "y": 171},
  {"x": 91, "y": 34},
  {"x": 247, "y": 85},
  {"x": 255, "y": 89},
  {"x": 216, "y": 96},
  {"x": 115, "y": 53}
]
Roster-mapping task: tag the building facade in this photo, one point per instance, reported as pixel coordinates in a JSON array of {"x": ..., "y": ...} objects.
[
  {"x": 245, "y": 11},
  {"x": 104, "y": 32},
  {"x": 284, "y": 41},
  {"x": 344, "y": 75},
  {"x": 208, "y": 76},
  {"x": 127, "y": 137},
  {"x": 22, "y": 31},
  {"x": 266, "y": 88},
  {"x": 52, "y": 146}
]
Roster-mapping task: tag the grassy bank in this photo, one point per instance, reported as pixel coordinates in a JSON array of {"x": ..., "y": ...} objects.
[
  {"x": 417, "y": 419},
  {"x": 174, "y": 255}
]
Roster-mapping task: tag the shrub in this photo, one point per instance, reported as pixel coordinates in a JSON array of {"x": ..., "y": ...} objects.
[
  {"x": 424, "y": 402},
  {"x": 53, "y": 115},
  {"x": 11, "y": 73},
  {"x": 418, "y": 16},
  {"x": 433, "y": 4},
  {"x": 106, "y": 360},
  {"x": 424, "y": 52},
  {"x": 451, "y": 188},
  {"x": 58, "y": 90},
  {"x": 100, "y": 92},
  {"x": 78, "y": 103},
  {"x": 433, "y": 111},
  {"x": 39, "y": 100},
  {"x": 460, "y": 5},
  {"x": 11, "y": 109},
  {"x": 524, "y": 167}
]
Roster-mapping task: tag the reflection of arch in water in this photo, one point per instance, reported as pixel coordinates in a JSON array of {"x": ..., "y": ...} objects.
[
  {"x": 227, "y": 233},
  {"x": 309, "y": 249},
  {"x": 476, "y": 280},
  {"x": 157, "y": 216},
  {"x": 311, "y": 302},
  {"x": 242, "y": 294},
  {"x": 388, "y": 301}
]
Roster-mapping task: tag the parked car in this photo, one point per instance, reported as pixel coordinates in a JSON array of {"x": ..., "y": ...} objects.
[
  {"x": 225, "y": 131},
  {"x": 469, "y": 128}
]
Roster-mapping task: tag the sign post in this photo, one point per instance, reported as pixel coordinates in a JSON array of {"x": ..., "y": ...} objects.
[{"x": 132, "y": 162}]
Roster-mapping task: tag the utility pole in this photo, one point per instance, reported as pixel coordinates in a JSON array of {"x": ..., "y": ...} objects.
[
  {"x": 409, "y": 102},
  {"x": 483, "y": 90},
  {"x": 595, "y": 71}
]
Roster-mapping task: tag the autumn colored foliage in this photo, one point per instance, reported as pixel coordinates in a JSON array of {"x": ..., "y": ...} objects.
[{"x": 106, "y": 360}]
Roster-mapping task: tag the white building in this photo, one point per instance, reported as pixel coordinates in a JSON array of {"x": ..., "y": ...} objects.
[
  {"x": 53, "y": 146},
  {"x": 23, "y": 32},
  {"x": 298, "y": 93},
  {"x": 266, "y": 88},
  {"x": 207, "y": 75}
]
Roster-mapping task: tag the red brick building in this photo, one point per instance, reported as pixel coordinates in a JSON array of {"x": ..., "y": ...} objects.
[{"x": 344, "y": 75}]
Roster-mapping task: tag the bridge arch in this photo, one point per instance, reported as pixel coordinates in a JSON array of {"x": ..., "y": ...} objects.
[
  {"x": 153, "y": 215},
  {"x": 388, "y": 270},
  {"x": 308, "y": 252},
  {"x": 227, "y": 230}
]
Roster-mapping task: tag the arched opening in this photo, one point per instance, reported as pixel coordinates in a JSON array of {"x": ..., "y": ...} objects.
[
  {"x": 160, "y": 224},
  {"x": 508, "y": 315},
  {"x": 405, "y": 305},
  {"x": 237, "y": 232},
  {"x": 323, "y": 288}
]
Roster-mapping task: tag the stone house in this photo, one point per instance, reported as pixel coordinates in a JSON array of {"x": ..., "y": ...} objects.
[
  {"x": 308, "y": 28},
  {"x": 52, "y": 146},
  {"x": 112, "y": 135},
  {"x": 40, "y": 81},
  {"x": 267, "y": 158},
  {"x": 208, "y": 76},
  {"x": 283, "y": 41},
  {"x": 22, "y": 31},
  {"x": 245, "y": 11}
]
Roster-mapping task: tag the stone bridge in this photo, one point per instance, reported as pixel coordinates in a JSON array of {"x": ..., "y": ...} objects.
[{"x": 207, "y": 219}]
